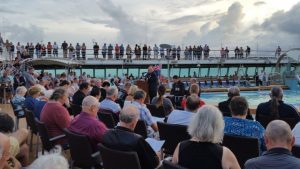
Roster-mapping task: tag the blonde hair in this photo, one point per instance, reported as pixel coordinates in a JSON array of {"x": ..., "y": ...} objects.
[
  {"x": 132, "y": 90},
  {"x": 34, "y": 90},
  {"x": 194, "y": 89}
]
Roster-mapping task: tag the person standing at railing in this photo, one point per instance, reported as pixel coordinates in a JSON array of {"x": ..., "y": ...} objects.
[
  {"x": 96, "y": 50},
  {"x": 83, "y": 51},
  {"x": 110, "y": 49},
  {"x": 49, "y": 49},
  {"x": 278, "y": 51},
  {"x": 155, "y": 49},
  {"x": 149, "y": 52},
  {"x": 121, "y": 51},
  {"x": 104, "y": 50},
  {"x": 145, "y": 52},
  {"x": 1, "y": 49},
  {"x": 18, "y": 48},
  {"x": 200, "y": 52},
  {"x": 12, "y": 51},
  {"x": 178, "y": 52},
  {"x": 55, "y": 50},
  {"x": 64, "y": 46},
  {"x": 194, "y": 53},
  {"x": 43, "y": 49},
  {"x": 77, "y": 48},
  {"x": 117, "y": 51},
  {"x": 71, "y": 51},
  {"x": 241, "y": 53},
  {"x": 236, "y": 52},
  {"x": 226, "y": 52},
  {"x": 222, "y": 53},
  {"x": 128, "y": 52},
  {"x": 162, "y": 53},
  {"x": 248, "y": 52}
]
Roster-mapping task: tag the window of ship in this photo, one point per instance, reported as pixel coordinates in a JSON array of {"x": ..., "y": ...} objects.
[
  {"x": 77, "y": 72},
  {"x": 231, "y": 71},
  {"x": 242, "y": 71},
  {"x": 251, "y": 71},
  {"x": 203, "y": 72},
  {"x": 99, "y": 73},
  {"x": 60, "y": 71},
  {"x": 110, "y": 73},
  {"x": 223, "y": 71},
  {"x": 194, "y": 71},
  {"x": 268, "y": 69},
  {"x": 122, "y": 72},
  {"x": 283, "y": 69},
  {"x": 213, "y": 71},
  {"x": 52, "y": 71},
  {"x": 133, "y": 71},
  {"x": 184, "y": 72},
  {"x": 143, "y": 72},
  {"x": 164, "y": 72},
  {"x": 88, "y": 72},
  {"x": 259, "y": 69},
  {"x": 174, "y": 71}
]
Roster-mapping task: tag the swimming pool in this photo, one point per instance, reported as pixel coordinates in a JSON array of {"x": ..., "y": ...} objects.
[{"x": 254, "y": 97}]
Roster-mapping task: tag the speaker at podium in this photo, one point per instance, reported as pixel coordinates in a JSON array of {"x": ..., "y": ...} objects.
[{"x": 142, "y": 84}]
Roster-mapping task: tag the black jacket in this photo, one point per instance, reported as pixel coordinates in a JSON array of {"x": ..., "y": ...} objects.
[
  {"x": 123, "y": 139},
  {"x": 224, "y": 108},
  {"x": 78, "y": 98},
  {"x": 152, "y": 82},
  {"x": 178, "y": 89}
]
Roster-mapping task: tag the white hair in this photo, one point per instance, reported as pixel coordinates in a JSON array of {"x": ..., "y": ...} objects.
[
  {"x": 233, "y": 91},
  {"x": 21, "y": 90},
  {"x": 48, "y": 93},
  {"x": 112, "y": 91},
  {"x": 52, "y": 160},
  {"x": 89, "y": 101},
  {"x": 207, "y": 125}
]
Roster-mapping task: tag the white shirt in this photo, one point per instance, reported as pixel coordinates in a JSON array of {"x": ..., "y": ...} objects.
[{"x": 296, "y": 133}]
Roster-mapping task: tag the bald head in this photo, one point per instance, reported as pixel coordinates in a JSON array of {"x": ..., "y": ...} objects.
[
  {"x": 90, "y": 105},
  {"x": 129, "y": 114},
  {"x": 278, "y": 133}
]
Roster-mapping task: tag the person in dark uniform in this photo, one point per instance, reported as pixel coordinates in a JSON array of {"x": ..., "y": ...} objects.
[{"x": 152, "y": 82}]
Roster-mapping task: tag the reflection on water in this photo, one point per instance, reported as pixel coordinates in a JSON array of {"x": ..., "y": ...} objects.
[{"x": 253, "y": 97}]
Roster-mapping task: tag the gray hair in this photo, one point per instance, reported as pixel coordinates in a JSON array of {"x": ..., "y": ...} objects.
[
  {"x": 58, "y": 93},
  {"x": 128, "y": 114},
  {"x": 139, "y": 94},
  {"x": 207, "y": 125},
  {"x": 52, "y": 160},
  {"x": 233, "y": 91},
  {"x": 112, "y": 91},
  {"x": 21, "y": 90},
  {"x": 279, "y": 131},
  {"x": 89, "y": 101}
]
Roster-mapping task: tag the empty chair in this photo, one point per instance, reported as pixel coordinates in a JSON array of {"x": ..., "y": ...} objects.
[
  {"x": 169, "y": 165},
  {"x": 81, "y": 151},
  {"x": 47, "y": 142},
  {"x": 17, "y": 114},
  {"x": 107, "y": 119},
  {"x": 296, "y": 151},
  {"x": 76, "y": 109},
  {"x": 32, "y": 126},
  {"x": 243, "y": 148},
  {"x": 114, "y": 115},
  {"x": 121, "y": 159},
  {"x": 156, "y": 111},
  {"x": 141, "y": 128},
  {"x": 172, "y": 134}
]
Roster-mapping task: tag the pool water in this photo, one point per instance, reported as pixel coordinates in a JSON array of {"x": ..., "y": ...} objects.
[{"x": 254, "y": 97}]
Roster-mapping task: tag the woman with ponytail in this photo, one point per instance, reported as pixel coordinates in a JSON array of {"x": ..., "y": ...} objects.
[
  {"x": 275, "y": 107},
  {"x": 160, "y": 100}
]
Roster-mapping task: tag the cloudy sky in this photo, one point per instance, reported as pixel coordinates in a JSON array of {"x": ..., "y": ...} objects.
[{"x": 261, "y": 24}]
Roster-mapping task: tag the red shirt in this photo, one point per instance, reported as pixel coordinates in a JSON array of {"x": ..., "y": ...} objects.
[
  {"x": 183, "y": 103},
  {"x": 56, "y": 117},
  {"x": 90, "y": 126}
]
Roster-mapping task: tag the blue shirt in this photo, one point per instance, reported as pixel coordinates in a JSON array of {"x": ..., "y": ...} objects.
[
  {"x": 181, "y": 117},
  {"x": 108, "y": 104},
  {"x": 247, "y": 128},
  {"x": 18, "y": 102},
  {"x": 38, "y": 107},
  {"x": 144, "y": 113},
  {"x": 30, "y": 102}
]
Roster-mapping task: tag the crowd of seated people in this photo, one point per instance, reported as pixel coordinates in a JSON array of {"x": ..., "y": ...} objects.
[{"x": 52, "y": 104}]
